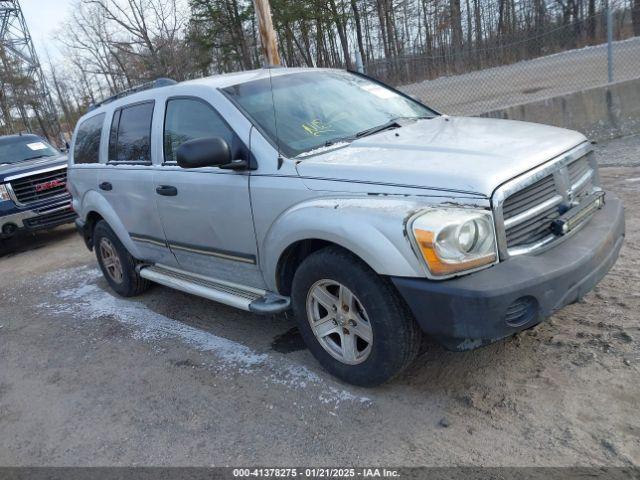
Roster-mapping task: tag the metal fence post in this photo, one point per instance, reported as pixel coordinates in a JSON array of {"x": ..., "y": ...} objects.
[{"x": 609, "y": 42}]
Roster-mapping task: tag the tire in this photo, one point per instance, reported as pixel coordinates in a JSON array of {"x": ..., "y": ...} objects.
[
  {"x": 111, "y": 255},
  {"x": 377, "y": 311}
]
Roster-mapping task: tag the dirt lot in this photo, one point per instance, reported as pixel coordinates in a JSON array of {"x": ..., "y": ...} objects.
[{"x": 169, "y": 379}]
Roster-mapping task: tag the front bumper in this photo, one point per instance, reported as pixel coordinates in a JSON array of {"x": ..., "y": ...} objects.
[
  {"x": 471, "y": 311},
  {"x": 36, "y": 218}
]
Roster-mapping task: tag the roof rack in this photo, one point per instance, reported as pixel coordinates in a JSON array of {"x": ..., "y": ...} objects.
[{"x": 157, "y": 83}]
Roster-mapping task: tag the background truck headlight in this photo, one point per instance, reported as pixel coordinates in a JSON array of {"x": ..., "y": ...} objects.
[
  {"x": 4, "y": 194},
  {"x": 453, "y": 240}
]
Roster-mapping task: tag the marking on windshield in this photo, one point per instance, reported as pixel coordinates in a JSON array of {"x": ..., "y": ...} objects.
[
  {"x": 37, "y": 146},
  {"x": 317, "y": 127}
]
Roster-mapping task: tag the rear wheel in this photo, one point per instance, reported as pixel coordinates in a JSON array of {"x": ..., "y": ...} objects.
[
  {"x": 353, "y": 321},
  {"x": 116, "y": 263}
]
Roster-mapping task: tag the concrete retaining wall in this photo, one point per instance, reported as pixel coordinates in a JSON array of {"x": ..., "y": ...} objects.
[{"x": 601, "y": 112}]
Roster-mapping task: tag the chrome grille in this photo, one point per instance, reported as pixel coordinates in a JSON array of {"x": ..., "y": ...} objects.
[
  {"x": 39, "y": 186},
  {"x": 527, "y": 206},
  {"x": 532, "y": 230},
  {"x": 521, "y": 201},
  {"x": 529, "y": 212},
  {"x": 580, "y": 178}
]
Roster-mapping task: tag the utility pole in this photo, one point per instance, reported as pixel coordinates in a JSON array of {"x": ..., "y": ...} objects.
[
  {"x": 24, "y": 90},
  {"x": 267, "y": 33}
]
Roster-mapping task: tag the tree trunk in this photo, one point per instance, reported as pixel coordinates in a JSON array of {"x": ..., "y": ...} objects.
[
  {"x": 62, "y": 100},
  {"x": 456, "y": 25},
  {"x": 241, "y": 37},
  {"x": 635, "y": 17},
  {"x": 456, "y": 32},
  {"x": 356, "y": 17},
  {"x": 342, "y": 33},
  {"x": 478, "y": 23},
  {"x": 383, "y": 28},
  {"x": 469, "y": 25},
  {"x": 591, "y": 26}
]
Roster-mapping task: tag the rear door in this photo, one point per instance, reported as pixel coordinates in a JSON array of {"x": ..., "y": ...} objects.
[
  {"x": 126, "y": 181},
  {"x": 206, "y": 212},
  {"x": 82, "y": 175}
]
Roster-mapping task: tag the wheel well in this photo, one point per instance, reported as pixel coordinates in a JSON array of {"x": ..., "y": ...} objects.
[
  {"x": 92, "y": 219},
  {"x": 294, "y": 255},
  {"x": 291, "y": 259}
]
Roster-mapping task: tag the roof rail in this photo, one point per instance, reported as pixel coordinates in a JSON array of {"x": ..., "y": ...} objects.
[{"x": 157, "y": 83}]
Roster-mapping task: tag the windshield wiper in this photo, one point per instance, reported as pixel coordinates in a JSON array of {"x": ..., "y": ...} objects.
[
  {"x": 385, "y": 126},
  {"x": 36, "y": 157},
  {"x": 393, "y": 123}
]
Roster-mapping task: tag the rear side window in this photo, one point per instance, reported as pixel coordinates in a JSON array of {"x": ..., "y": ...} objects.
[
  {"x": 190, "y": 118},
  {"x": 130, "y": 135},
  {"x": 87, "y": 146}
]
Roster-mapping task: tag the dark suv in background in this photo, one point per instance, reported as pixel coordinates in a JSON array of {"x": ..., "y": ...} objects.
[{"x": 33, "y": 180}]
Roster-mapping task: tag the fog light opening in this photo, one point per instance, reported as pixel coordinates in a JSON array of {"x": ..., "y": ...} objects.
[
  {"x": 521, "y": 311},
  {"x": 9, "y": 229}
]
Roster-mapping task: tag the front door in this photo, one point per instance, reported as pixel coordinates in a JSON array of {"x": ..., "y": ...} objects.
[{"x": 206, "y": 212}]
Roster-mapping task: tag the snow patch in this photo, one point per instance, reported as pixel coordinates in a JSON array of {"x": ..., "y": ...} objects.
[{"x": 81, "y": 298}]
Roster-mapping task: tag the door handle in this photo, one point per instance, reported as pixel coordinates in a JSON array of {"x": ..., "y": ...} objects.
[
  {"x": 106, "y": 186},
  {"x": 167, "y": 190}
]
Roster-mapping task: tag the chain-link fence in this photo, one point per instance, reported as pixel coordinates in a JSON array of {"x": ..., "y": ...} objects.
[{"x": 506, "y": 71}]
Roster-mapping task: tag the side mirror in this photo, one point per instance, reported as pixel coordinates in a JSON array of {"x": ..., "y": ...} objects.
[{"x": 204, "y": 152}]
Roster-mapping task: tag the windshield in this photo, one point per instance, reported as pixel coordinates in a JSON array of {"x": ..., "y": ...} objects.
[
  {"x": 310, "y": 110},
  {"x": 16, "y": 149}
]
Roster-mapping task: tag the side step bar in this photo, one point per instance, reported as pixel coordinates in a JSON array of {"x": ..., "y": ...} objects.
[{"x": 240, "y": 296}]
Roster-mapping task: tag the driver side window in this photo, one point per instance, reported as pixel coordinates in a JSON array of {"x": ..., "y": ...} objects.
[{"x": 189, "y": 118}]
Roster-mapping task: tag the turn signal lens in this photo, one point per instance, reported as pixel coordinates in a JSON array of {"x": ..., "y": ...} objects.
[
  {"x": 4, "y": 194},
  {"x": 454, "y": 240}
]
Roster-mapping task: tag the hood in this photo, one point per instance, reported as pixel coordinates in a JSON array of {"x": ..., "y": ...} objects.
[
  {"x": 456, "y": 154},
  {"x": 31, "y": 165}
]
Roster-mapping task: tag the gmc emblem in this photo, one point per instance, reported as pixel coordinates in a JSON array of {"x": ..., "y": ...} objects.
[{"x": 40, "y": 187}]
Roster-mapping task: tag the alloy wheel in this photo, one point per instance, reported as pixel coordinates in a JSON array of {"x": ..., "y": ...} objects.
[
  {"x": 111, "y": 260},
  {"x": 339, "y": 322}
]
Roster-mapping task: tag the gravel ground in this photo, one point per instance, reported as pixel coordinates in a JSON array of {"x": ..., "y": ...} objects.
[
  {"x": 492, "y": 88},
  {"x": 170, "y": 379}
]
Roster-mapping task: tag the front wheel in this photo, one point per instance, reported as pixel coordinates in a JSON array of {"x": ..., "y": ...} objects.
[{"x": 353, "y": 320}]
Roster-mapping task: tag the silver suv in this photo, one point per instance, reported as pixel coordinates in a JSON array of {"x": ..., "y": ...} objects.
[{"x": 373, "y": 217}]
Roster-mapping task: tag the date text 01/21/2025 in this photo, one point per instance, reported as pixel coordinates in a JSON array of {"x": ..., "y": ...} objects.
[{"x": 316, "y": 472}]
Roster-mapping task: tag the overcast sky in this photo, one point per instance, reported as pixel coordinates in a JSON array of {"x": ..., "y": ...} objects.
[{"x": 43, "y": 19}]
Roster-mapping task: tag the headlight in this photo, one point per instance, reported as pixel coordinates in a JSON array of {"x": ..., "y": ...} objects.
[
  {"x": 453, "y": 240},
  {"x": 4, "y": 194}
]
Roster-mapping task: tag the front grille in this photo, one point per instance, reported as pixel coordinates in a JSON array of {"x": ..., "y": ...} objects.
[
  {"x": 537, "y": 193},
  {"x": 40, "y": 186},
  {"x": 580, "y": 175},
  {"x": 531, "y": 228},
  {"x": 528, "y": 213}
]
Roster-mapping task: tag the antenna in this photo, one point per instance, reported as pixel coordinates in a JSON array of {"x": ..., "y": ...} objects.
[{"x": 26, "y": 96}]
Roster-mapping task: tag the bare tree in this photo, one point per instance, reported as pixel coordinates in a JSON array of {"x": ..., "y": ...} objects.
[{"x": 115, "y": 44}]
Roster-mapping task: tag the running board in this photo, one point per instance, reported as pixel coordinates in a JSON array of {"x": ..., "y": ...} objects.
[{"x": 239, "y": 296}]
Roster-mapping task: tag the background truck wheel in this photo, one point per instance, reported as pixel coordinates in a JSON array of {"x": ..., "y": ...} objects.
[
  {"x": 353, "y": 320},
  {"x": 116, "y": 263}
]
